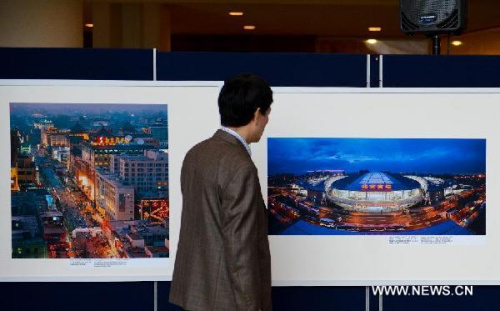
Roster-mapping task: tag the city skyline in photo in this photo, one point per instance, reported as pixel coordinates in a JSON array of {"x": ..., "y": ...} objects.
[
  {"x": 77, "y": 109},
  {"x": 89, "y": 180}
]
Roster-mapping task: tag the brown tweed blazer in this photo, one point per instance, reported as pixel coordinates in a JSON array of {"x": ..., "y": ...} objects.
[{"x": 223, "y": 260}]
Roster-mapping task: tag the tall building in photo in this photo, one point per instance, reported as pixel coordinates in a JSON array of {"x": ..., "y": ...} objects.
[
  {"x": 114, "y": 199},
  {"x": 55, "y": 137},
  {"x": 28, "y": 232},
  {"x": 75, "y": 153},
  {"x": 98, "y": 154},
  {"x": 147, "y": 173},
  {"x": 26, "y": 170},
  {"x": 22, "y": 169}
]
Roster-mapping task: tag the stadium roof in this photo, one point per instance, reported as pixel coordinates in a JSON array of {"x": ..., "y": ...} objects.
[{"x": 365, "y": 181}]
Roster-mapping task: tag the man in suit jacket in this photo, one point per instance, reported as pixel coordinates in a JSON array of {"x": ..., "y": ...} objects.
[{"x": 223, "y": 260}]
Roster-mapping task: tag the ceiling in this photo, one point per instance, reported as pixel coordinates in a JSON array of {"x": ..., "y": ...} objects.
[{"x": 320, "y": 18}]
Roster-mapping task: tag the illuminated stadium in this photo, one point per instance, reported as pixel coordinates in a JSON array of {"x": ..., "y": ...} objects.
[{"x": 376, "y": 192}]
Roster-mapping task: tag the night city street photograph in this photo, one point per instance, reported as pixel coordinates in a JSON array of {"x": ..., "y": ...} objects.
[
  {"x": 89, "y": 180},
  {"x": 376, "y": 186}
]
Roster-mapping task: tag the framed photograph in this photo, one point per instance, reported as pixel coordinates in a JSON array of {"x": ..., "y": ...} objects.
[
  {"x": 89, "y": 180},
  {"x": 90, "y": 176},
  {"x": 382, "y": 186},
  {"x": 376, "y": 186}
]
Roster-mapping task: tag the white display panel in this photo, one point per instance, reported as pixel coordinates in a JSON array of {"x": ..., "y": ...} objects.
[
  {"x": 373, "y": 259},
  {"x": 193, "y": 111},
  {"x": 355, "y": 260}
]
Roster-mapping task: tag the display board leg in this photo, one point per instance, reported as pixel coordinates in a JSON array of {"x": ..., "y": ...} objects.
[
  {"x": 367, "y": 298},
  {"x": 155, "y": 296}
]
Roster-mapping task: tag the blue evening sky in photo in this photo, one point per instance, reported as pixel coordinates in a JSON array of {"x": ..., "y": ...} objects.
[
  {"x": 433, "y": 156},
  {"x": 82, "y": 108}
]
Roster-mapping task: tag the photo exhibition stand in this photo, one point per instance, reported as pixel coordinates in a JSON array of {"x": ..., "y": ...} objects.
[{"x": 333, "y": 250}]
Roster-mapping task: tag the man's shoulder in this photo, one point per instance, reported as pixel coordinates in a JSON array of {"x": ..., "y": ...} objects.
[
  {"x": 216, "y": 158},
  {"x": 218, "y": 149}
]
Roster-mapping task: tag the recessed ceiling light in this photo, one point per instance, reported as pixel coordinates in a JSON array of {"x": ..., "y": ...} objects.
[
  {"x": 374, "y": 28},
  {"x": 456, "y": 43},
  {"x": 249, "y": 27},
  {"x": 371, "y": 41},
  {"x": 236, "y": 13},
  {"x": 89, "y": 25}
]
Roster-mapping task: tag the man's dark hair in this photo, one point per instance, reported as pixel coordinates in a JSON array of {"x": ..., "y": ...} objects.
[{"x": 241, "y": 96}]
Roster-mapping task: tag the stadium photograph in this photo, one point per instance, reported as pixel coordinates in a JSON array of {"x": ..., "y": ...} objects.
[{"x": 391, "y": 186}]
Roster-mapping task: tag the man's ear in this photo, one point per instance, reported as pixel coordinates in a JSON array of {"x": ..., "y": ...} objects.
[{"x": 256, "y": 117}]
